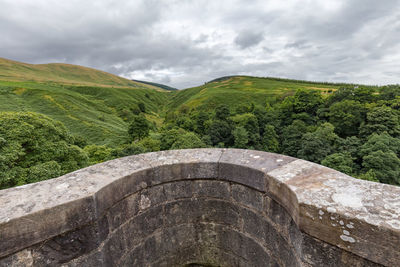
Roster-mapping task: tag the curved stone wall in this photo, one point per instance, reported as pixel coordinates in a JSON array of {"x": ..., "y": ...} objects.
[{"x": 201, "y": 207}]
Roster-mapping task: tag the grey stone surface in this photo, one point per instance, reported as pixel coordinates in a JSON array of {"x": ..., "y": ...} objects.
[{"x": 222, "y": 207}]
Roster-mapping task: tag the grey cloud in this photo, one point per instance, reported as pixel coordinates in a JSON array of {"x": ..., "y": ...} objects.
[
  {"x": 187, "y": 43},
  {"x": 247, "y": 39}
]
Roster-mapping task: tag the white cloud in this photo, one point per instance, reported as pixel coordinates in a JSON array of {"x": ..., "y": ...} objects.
[{"x": 186, "y": 43}]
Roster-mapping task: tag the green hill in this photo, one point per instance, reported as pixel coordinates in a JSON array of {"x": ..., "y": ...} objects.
[
  {"x": 92, "y": 104},
  {"x": 98, "y": 105},
  {"x": 236, "y": 90},
  {"x": 162, "y": 86},
  {"x": 63, "y": 73},
  {"x": 96, "y": 113}
]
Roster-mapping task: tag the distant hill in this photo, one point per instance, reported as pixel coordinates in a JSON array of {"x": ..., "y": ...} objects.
[
  {"x": 98, "y": 105},
  {"x": 162, "y": 86},
  {"x": 220, "y": 79},
  {"x": 236, "y": 90},
  {"x": 63, "y": 73},
  {"x": 92, "y": 104}
]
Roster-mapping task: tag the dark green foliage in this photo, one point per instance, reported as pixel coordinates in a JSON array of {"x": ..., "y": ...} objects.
[
  {"x": 383, "y": 142},
  {"x": 127, "y": 150},
  {"x": 342, "y": 162},
  {"x": 350, "y": 145},
  {"x": 199, "y": 123},
  {"x": 188, "y": 140},
  {"x": 139, "y": 127},
  {"x": 220, "y": 132},
  {"x": 291, "y": 137},
  {"x": 385, "y": 166},
  {"x": 315, "y": 146},
  {"x": 389, "y": 92},
  {"x": 361, "y": 94},
  {"x": 381, "y": 119},
  {"x": 97, "y": 153},
  {"x": 306, "y": 101},
  {"x": 222, "y": 112},
  {"x": 270, "y": 141},
  {"x": 169, "y": 137},
  {"x": 240, "y": 136},
  {"x": 34, "y": 147},
  {"x": 380, "y": 155},
  {"x": 249, "y": 122},
  {"x": 185, "y": 123},
  {"x": 347, "y": 117},
  {"x": 141, "y": 105},
  {"x": 150, "y": 144}
]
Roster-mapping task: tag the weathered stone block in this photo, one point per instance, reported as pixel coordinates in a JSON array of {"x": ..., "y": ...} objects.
[
  {"x": 213, "y": 189},
  {"x": 142, "y": 225},
  {"x": 198, "y": 210},
  {"x": 178, "y": 190},
  {"x": 123, "y": 210},
  {"x": 35, "y": 227},
  {"x": 65, "y": 247},
  {"x": 247, "y": 197}
]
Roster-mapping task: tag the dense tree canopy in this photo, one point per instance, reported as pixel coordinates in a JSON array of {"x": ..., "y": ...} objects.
[
  {"x": 34, "y": 147},
  {"x": 354, "y": 129}
]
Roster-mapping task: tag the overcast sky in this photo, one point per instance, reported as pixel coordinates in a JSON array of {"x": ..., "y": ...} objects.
[{"x": 186, "y": 43}]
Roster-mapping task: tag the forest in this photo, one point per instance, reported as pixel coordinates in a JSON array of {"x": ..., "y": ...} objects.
[{"x": 354, "y": 129}]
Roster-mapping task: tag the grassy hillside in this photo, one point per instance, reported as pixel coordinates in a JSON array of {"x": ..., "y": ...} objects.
[
  {"x": 162, "y": 86},
  {"x": 98, "y": 105},
  {"x": 63, "y": 73},
  {"x": 95, "y": 113},
  {"x": 237, "y": 90}
]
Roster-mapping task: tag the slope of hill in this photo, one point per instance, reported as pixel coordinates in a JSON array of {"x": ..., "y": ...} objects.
[
  {"x": 162, "y": 86},
  {"x": 236, "y": 90},
  {"x": 99, "y": 105},
  {"x": 91, "y": 103},
  {"x": 95, "y": 113},
  {"x": 63, "y": 73}
]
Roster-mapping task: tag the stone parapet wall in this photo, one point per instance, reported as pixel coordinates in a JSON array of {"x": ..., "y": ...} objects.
[{"x": 214, "y": 207}]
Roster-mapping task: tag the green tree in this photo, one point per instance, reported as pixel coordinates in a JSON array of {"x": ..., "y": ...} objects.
[
  {"x": 222, "y": 112},
  {"x": 150, "y": 144},
  {"x": 249, "y": 122},
  {"x": 241, "y": 137},
  {"x": 307, "y": 101},
  {"x": 168, "y": 137},
  {"x": 97, "y": 153},
  {"x": 220, "y": 132},
  {"x": 380, "y": 155},
  {"x": 383, "y": 142},
  {"x": 142, "y": 107},
  {"x": 381, "y": 119},
  {"x": 199, "y": 122},
  {"x": 270, "y": 139},
  {"x": 139, "y": 127},
  {"x": 342, "y": 162},
  {"x": 385, "y": 165},
  {"x": 291, "y": 137},
  {"x": 128, "y": 150},
  {"x": 315, "y": 146},
  {"x": 347, "y": 117},
  {"x": 188, "y": 140},
  {"x": 185, "y": 122},
  {"x": 34, "y": 147}
]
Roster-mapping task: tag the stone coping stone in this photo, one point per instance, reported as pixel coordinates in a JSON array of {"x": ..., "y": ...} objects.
[{"x": 359, "y": 216}]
